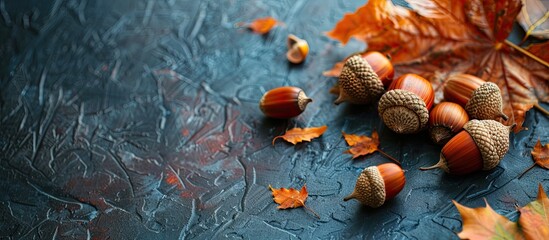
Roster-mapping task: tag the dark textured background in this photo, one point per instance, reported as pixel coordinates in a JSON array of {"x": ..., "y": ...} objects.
[{"x": 140, "y": 119}]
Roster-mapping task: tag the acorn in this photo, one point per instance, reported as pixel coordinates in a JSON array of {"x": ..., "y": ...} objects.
[
  {"x": 446, "y": 120},
  {"x": 405, "y": 107},
  {"x": 480, "y": 146},
  {"x": 284, "y": 102},
  {"x": 363, "y": 78},
  {"x": 298, "y": 49},
  {"x": 377, "y": 184},
  {"x": 481, "y": 99}
]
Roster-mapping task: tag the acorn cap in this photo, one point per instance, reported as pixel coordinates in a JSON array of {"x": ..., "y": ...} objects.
[
  {"x": 369, "y": 188},
  {"x": 491, "y": 138},
  {"x": 403, "y": 111},
  {"x": 486, "y": 102},
  {"x": 358, "y": 82}
]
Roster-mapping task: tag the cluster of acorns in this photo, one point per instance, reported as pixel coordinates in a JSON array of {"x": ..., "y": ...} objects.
[{"x": 404, "y": 105}]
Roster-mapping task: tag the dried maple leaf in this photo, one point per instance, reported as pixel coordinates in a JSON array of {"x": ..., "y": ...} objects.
[
  {"x": 436, "y": 38},
  {"x": 485, "y": 223},
  {"x": 364, "y": 145},
  {"x": 261, "y": 25},
  {"x": 291, "y": 198},
  {"x": 540, "y": 154},
  {"x": 296, "y": 135}
]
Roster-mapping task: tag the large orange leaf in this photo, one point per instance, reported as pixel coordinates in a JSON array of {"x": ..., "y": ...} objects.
[
  {"x": 534, "y": 217},
  {"x": 296, "y": 135},
  {"x": 436, "y": 38},
  {"x": 364, "y": 145},
  {"x": 485, "y": 223}
]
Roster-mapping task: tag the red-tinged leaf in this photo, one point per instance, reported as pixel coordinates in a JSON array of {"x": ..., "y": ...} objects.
[
  {"x": 534, "y": 217},
  {"x": 485, "y": 223},
  {"x": 297, "y": 135},
  {"x": 541, "y": 155},
  {"x": 262, "y": 25},
  {"x": 436, "y": 38}
]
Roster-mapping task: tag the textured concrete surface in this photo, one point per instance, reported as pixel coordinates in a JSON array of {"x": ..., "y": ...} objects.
[{"x": 139, "y": 120}]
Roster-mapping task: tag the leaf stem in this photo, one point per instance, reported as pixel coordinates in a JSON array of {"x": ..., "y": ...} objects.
[
  {"x": 529, "y": 54},
  {"x": 311, "y": 210},
  {"x": 389, "y": 156},
  {"x": 528, "y": 169},
  {"x": 541, "y": 109}
]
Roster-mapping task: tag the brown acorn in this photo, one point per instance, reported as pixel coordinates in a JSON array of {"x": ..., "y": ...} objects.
[
  {"x": 377, "y": 184},
  {"x": 446, "y": 120},
  {"x": 298, "y": 49},
  {"x": 363, "y": 78},
  {"x": 481, "y": 99},
  {"x": 405, "y": 107},
  {"x": 284, "y": 102},
  {"x": 480, "y": 146}
]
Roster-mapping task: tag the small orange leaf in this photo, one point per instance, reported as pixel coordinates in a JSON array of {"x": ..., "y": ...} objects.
[
  {"x": 534, "y": 217},
  {"x": 262, "y": 25},
  {"x": 361, "y": 145},
  {"x": 485, "y": 223},
  {"x": 289, "y": 198},
  {"x": 296, "y": 135},
  {"x": 541, "y": 155}
]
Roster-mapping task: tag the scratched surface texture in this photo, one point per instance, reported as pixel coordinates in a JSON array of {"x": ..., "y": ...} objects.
[{"x": 140, "y": 120}]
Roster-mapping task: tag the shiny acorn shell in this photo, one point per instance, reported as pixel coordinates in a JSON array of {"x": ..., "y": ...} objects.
[
  {"x": 480, "y": 99},
  {"x": 480, "y": 146},
  {"x": 284, "y": 102},
  {"x": 298, "y": 49},
  {"x": 377, "y": 184},
  {"x": 445, "y": 120},
  {"x": 363, "y": 78},
  {"x": 405, "y": 107}
]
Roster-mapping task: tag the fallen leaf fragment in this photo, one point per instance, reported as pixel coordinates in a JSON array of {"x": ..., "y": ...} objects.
[
  {"x": 534, "y": 217},
  {"x": 262, "y": 25},
  {"x": 364, "y": 145},
  {"x": 296, "y": 135},
  {"x": 291, "y": 198},
  {"x": 485, "y": 223},
  {"x": 534, "y": 17},
  {"x": 540, "y": 154},
  {"x": 436, "y": 38}
]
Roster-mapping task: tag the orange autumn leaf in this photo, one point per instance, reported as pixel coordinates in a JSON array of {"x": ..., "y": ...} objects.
[
  {"x": 364, "y": 145},
  {"x": 485, "y": 223},
  {"x": 296, "y": 135},
  {"x": 540, "y": 154},
  {"x": 436, "y": 38},
  {"x": 534, "y": 217},
  {"x": 262, "y": 25},
  {"x": 361, "y": 145},
  {"x": 289, "y": 198}
]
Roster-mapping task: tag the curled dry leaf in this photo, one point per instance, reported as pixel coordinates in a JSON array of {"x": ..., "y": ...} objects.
[
  {"x": 296, "y": 135},
  {"x": 485, "y": 223},
  {"x": 540, "y": 154},
  {"x": 291, "y": 198},
  {"x": 261, "y": 25},
  {"x": 534, "y": 18},
  {"x": 436, "y": 38},
  {"x": 363, "y": 145}
]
